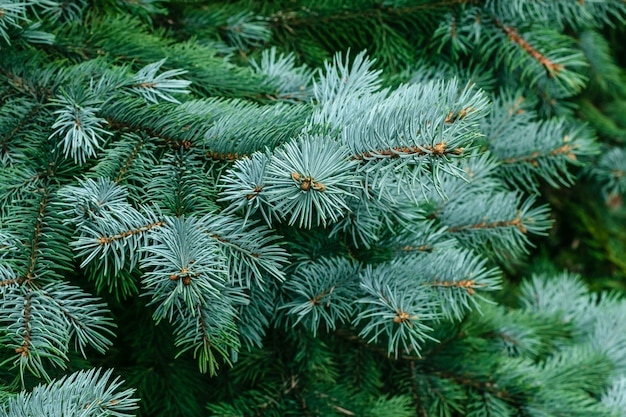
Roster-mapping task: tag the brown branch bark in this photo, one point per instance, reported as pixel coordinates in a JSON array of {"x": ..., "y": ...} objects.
[
  {"x": 24, "y": 349},
  {"x": 129, "y": 161},
  {"x": 533, "y": 158},
  {"x": 104, "y": 240},
  {"x": 438, "y": 149},
  {"x": 30, "y": 271},
  {"x": 551, "y": 68},
  {"x": 517, "y": 222}
]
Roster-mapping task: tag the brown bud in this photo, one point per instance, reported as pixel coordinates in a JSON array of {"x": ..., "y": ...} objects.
[
  {"x": 439, "y": 148},
  {"x": 319, "y": 187}
]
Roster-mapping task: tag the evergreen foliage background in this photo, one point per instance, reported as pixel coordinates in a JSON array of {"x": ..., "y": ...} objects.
[{"x": 320, "y": 208}]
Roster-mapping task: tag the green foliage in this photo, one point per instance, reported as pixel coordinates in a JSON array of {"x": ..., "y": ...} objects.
[
  {"x": 91, "y": 392},
  {"x": 298, "y": 208}
]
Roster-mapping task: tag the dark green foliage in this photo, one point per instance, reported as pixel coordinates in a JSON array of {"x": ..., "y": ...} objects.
[{"x": 310, "y": 208}]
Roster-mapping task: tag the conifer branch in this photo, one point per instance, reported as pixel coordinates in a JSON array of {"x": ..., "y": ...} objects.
[
  {"x": 446, "y": 343},
  {"x": 128, "y": 127},
  {"x": 129, "y": 161},
  {"x": 469, "y": 380},
  {"x": 176, "y": 137},
  {"x": 439, "y": 149},
  {"x": 516, "y": 222},
  {"x": 84, "y": 316},
  {"x": 565, "y": 149},
  {"x": 467, "y": 284},
  {"x": 106, "y": 240},
  {"x": 5, "y": 140},
  {"x": 419, "y": 408},
  {"x": 206, "y": 340},
  {"x": 112, "y": 232},
  {"x": 20, "y": 83},
  {"x": 611, "y": 172},
  {"x": 249, "y": 259},
  {"x": 210, "y": 75},
  {"x": 422, "y": 248},
  {"x": 24, "y": 348},
  {"x": 516, "y": 107},
  {"x": 320, "y": 209},
  {"x": 11, "y": 281},
  {"x": 226, "y": 241},
  {"x": 296, "y": 18},
  {"x": 207, "y": 329},
  {"x": 349, "y": 335},
  {"x": 225, "y": 156},
  {"x": 88, "y": 393},
  {"x": 35, "y": 240},
  {"x": 551, "y": 68},
  {"x": 27, "y": 315}
]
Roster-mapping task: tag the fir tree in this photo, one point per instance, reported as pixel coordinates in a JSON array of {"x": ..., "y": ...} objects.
[{"x": 304, "y": 208}]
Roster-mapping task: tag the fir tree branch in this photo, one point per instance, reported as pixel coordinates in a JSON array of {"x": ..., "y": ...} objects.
[
  {"x": 106, "y": 240},
  {"x": 225, "y": 156},
  {"x": 20, "y": 71},
  {"x": 611, "y": 172},
  {"x": 35, "y": 240},
  {"x": 469, "y": 380},
  {"x": 551, "y": 68},
  {"x": 35, "y": 330},
  {"x": 24, "y": 349},
  {"x": 210, "y": 75},
  {"x": 319, "y": 293},
  {"x": 180, "y": 184},
  {"x": 419, "y": 407},
  {"x": 85, "y": 316},
  {"x": 249, "y": 259},
  {"x": 516, "y": 222},
  {"x": 466, "y": 284},
  {"x": 208, "y": 328},
  {"x": 173, "y": 126},
  {"x": 501, "y": 226},
  {"x": 28, "y": 118},
  {"x": 11, "y": 281},
  {"x": 439, "y": 149},
  {"x": 532, "y": 159},
  {"x": 129, "y": 161},
  {"x": 312, "y": 17},
  {"x": 444, "y": 343},
  {"x": 348, "y": 334},
  {"x": 393, "y": 180},
  {"x": 422, "y": 248},
  {"x": 113, "y": 234},
  {"x": 88, "y": 393}
]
